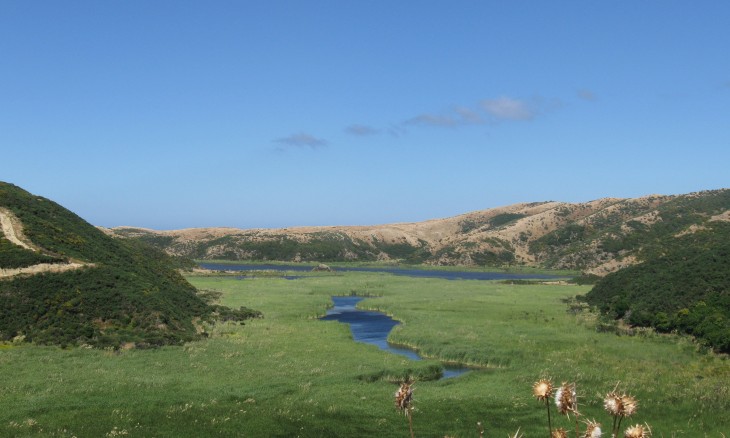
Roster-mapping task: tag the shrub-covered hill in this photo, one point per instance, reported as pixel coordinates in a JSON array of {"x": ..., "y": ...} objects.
[
  {"x": 123, "y": 292},
  {"x": 596, "y": 237},
  {"x": 686, "y": 288}
]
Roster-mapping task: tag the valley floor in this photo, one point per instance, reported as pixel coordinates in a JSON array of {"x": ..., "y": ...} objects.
[{"x": 290, "y": 374}]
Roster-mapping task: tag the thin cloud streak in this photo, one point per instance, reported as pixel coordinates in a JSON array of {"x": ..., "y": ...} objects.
[
  {"x": 361, "y": 130},
  {"x": 468, "y": 115},
  {"x": 431, "y": 120},
  {"x": 486, "y": 112},
  {"x": 506, "y": 108},
  {"x": 587, "y": 95},
  {"x": 300, "y": 140},
  {"x": 489, "y": 111}
]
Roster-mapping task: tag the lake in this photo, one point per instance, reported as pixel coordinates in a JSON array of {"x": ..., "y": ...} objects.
[
  {"x": 373, "y": 328},
  {"x": 411, "y": 272}
]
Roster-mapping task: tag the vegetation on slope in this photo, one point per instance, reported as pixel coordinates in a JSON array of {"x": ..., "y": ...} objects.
[
  {"x": 597, "y": 237},
  {"x": 642, "y": 230},
  {"x": 318, "y": 246},
  {"x": 685, "y": 288},
  {"x": 130, "y": 294},
  {"x": 12, "y": 256}
]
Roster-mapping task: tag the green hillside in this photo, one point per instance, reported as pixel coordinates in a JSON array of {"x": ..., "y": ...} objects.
[
  {"x": 12, "y": 256},
  {"x": 126, "y": 293},
  {"x": 683, "y": 286},
  {"x": 641, "y": 230}
]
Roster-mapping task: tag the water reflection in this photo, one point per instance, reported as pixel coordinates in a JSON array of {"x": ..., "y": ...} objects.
[{"x": 373, "y": 328}]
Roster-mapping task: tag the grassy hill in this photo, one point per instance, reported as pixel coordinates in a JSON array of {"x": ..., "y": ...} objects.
[
  {"x": 597, "y": 237},
  {"x": 119, "y": 292}
]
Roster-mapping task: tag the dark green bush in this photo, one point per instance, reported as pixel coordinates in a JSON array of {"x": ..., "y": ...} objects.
[{"x": 687, "y": 289}]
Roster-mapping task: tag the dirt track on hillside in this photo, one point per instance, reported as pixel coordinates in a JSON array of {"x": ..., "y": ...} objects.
[{"x": 12, "y": 228}]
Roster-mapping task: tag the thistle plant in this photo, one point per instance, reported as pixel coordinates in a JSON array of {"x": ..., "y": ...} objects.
[
  {"x": 543, "y": 391},
  {"x": 638, "y": 431},
  {"x": 559, "y": 433},
  {"x": 593, "y": 429},
  {"x": 619, "y": 406},
  {"x": 404, "y": 402},
  {"x": 566, "y": 400}
]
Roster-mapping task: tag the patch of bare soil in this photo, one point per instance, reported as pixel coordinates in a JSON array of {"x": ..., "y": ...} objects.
[
  {"x": 722, "y": 217},
  {"x": 612, "y": 265},
  {"x": 12, "y": 228}
]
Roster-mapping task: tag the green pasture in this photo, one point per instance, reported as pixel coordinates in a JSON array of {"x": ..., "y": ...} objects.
[{"x": 289, "y": 374}]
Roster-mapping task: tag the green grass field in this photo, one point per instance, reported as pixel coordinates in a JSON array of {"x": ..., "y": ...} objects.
[{"x": 289, "y": 374}]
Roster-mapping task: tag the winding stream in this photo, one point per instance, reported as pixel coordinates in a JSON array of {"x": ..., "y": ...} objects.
[{"x": 373, "y": 328}]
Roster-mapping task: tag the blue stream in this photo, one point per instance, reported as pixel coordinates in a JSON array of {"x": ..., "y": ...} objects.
[{"x": 373, "y": 328}]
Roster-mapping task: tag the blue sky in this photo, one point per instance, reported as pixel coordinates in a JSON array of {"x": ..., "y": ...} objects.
[{"x": 174, "y": 114}]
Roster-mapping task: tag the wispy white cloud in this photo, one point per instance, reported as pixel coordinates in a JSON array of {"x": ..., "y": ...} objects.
[
  {"x": 507, "y": 108},
  {"x": 300, "y": 140},
  {"x": 586, "y": 95},
  {"x": 458, "y": 116},
  {"x": 432, "y": 120},
  {"x": 361, "y": 130},
  {"x": 485, "y": 112},
  {"x": 468, "y": 115},
  {"x": 396, "y": 130}
]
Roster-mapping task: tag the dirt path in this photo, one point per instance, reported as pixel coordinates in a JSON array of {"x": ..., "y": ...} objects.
[
  {"x": 42, "y": 268},
  {"x": 12, "y": 228}
]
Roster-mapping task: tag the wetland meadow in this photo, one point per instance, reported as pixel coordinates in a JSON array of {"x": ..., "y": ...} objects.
[{"x": 290, "y": 374}]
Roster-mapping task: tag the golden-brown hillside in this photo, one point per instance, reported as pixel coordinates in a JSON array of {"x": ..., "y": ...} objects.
[{"x": 597, "y": 237}]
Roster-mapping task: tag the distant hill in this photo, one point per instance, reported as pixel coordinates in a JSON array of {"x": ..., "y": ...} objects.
[
  {"x": 596, "y": 237},
  {"x": 63, "y": 281}
]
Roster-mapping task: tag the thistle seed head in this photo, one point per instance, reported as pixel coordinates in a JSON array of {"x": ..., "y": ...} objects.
[
  {"x": 404, "y": 397},
  {"x": 542, "y": 389},
  {"x": 638, "y": 431},
  {"x": 628, "y": 405},
  {"x": 593, "y": 430},
  {"x": 620, "y": 405},
  {"x": 566, "y": 399},
  {"x": 559, "y": 433},
  {"x": 612, "y": 403}
]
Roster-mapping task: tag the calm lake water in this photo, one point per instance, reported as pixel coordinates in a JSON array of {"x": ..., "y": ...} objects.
[
  {"x": 373, "y": 328},
  {"x": 448, "y": 275}
]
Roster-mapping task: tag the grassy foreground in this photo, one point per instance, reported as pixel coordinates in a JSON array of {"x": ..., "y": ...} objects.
[{"x": 291, "y": 375}]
